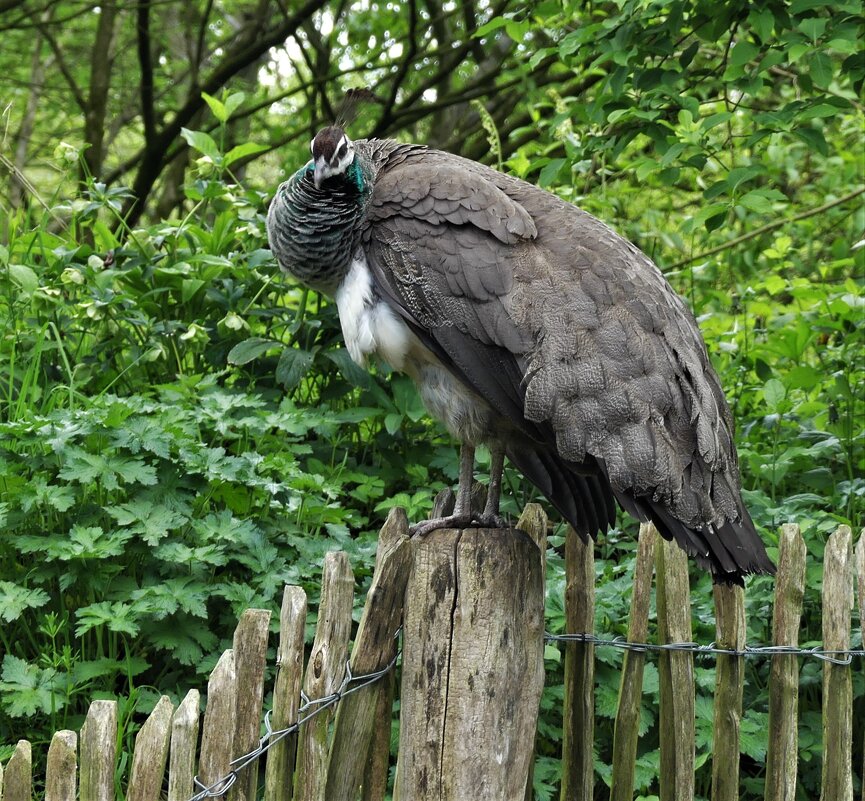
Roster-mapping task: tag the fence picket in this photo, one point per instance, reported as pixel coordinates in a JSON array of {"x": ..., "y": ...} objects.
[
  {"x": 374, "y": 647},
  {"x": 324, "y": 673},
  {"x": 61, "y": 779},
  {"x": 626, "y": 731},
  {"x": 278, "y": 785},
  {"x": 375, "y": 773},
  {"x": 250, "y": 656},
  {"x": 729, "y": 689},
  {"x": 676, "y": 675},
  {"x": 533, "y": 521},
  {"x": 860, "y": 574},
  {"x": 184, "y": 738},
  {"x": 579, "y": 707},
  {"x": 151, "y": 753},
  {"x": 217, "y": 737},
  {"x": 837, "y": 782},
  {"x": 98, "y": 752},
  {"x": 19, "y": 774},
  {"x": 782, "y": 754}
]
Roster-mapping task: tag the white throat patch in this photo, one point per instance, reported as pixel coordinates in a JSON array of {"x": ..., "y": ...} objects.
[{"x": 369, "y": 325}]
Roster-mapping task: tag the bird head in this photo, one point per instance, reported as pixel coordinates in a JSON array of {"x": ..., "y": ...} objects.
[{"x": 332, "y": 154}]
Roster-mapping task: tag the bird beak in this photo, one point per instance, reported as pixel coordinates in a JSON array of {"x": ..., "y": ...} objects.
[{"x": 318, "y": 174}]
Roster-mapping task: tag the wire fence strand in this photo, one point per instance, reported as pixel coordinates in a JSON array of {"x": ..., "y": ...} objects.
[
  {"x": 836, "y": 657},
  {"x": 310, "y": 707}
]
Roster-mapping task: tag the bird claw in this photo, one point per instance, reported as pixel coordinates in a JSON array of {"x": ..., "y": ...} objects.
[
  {"x": 448, "y": 521},
  {"x": 490, "y": 521},
  {"x": 473, "y": 520}
]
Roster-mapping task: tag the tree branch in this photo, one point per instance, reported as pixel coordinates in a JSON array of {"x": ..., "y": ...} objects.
[
  {"x": 146, "y": 62},
  {"x": 77, "y": 94},
  {"x": 764, "y": 229},
  {"x": 153, "y": 159}
]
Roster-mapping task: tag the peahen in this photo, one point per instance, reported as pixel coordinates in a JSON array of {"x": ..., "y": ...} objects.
[{"x": 528, "y": 325}]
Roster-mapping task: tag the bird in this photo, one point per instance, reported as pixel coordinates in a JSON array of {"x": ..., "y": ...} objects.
[{"x": 528, "y": 326}]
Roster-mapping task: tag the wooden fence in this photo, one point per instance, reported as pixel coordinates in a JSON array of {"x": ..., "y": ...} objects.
[{"x": 471, "y": 604}]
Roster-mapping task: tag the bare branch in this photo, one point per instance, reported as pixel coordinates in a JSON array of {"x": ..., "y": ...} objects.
[
  {"x": 764, "y": 229},
  {"x": 146, "y": 62}
]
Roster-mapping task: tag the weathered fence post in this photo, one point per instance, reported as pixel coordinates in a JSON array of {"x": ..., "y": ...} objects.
[
  {"x": 626, "y": 731},
  {"x": 837, "y": 782},
  {"x": 579, "y": 712},
  {"x": 151, "y": 753},
  {"x": 374, "y": 647},
  {"x": 729, "y": 688},
  {"x": 279, "y": 769},
  {"x": 782, "y": 755},
  {"x": 860, "y": 578},
  {"x": 98, "y": 752},
  {"x": 19, "y": 774},
  {"x": 61, "y": 770},
  {"x": 676, "y": 675},
  {"x": 250, "y": 654},
  {"x": 217, "y": 735},
  {"x": 472, "y": 666},
  {"x": 324, "y": 673},
  {"x": 184, "y": 738}
]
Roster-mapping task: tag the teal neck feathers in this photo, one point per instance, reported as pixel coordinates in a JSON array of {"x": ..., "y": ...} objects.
[{"x": 314, "y": 232}]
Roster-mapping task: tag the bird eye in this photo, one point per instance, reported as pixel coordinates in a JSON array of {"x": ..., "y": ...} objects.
[{"x": 343, "y": 149}]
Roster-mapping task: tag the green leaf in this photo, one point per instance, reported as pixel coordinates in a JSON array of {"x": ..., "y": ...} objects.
[
  {"x": 550, "y": 172},
  {"x": 820, "y": 69},
  {"x": 293, "y": 365},
  {"x": 813, "y": 27},
  {"x": 349, "y": 369},
  {"x": 743, "y": 53},
  {"x": 803, "y": 377},
  {"x": 244, "y": 352},
  {"x": 218, "y": 109},
  {"x": 117, "y": 616},
  {"x": 14, "y": 600},
  {"x": 25, "y": 277},
  {"x": 813, "y": 138},
  {"x": 202, "y": 142},
  {"x": 29, "y": 690},
  {"x": 233, "y": 102},
  {"x": 707, "y": 123},
  {"x": 189, "y": 288},
  {"x": 756, "y": 201},
  {"x": 774, "y": 393},
  {"x": 242, "y": 151},
  {"x": 393, "y": 422},
  {"x": 493, "y": 25},
  {"x": 762, "y": 21}
]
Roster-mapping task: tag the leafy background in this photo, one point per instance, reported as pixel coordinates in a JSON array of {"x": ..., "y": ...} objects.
[{"x": 181, "y": 430}]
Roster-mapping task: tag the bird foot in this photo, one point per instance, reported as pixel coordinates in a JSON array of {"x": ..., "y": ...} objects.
[
  {"x": 493, "y": 520},
  {"x": 472, "y": 520},
  {"x": 448, "y": 521}
]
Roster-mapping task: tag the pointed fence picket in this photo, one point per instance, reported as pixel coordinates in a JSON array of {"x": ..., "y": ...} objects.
[{"x": 342, "y": 752}]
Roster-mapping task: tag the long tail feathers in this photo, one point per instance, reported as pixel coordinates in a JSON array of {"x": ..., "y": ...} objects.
[{"x": 583, "y": 496}]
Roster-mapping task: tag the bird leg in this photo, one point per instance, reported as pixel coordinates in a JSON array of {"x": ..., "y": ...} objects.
[
  {"x": 463, "y": 505},
  {"x": 462, "y": 514},
  {"x": 491, "y": 516}
]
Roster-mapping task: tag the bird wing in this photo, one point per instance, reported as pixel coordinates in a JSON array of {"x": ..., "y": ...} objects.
[{"x": 574, "y": 336}]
